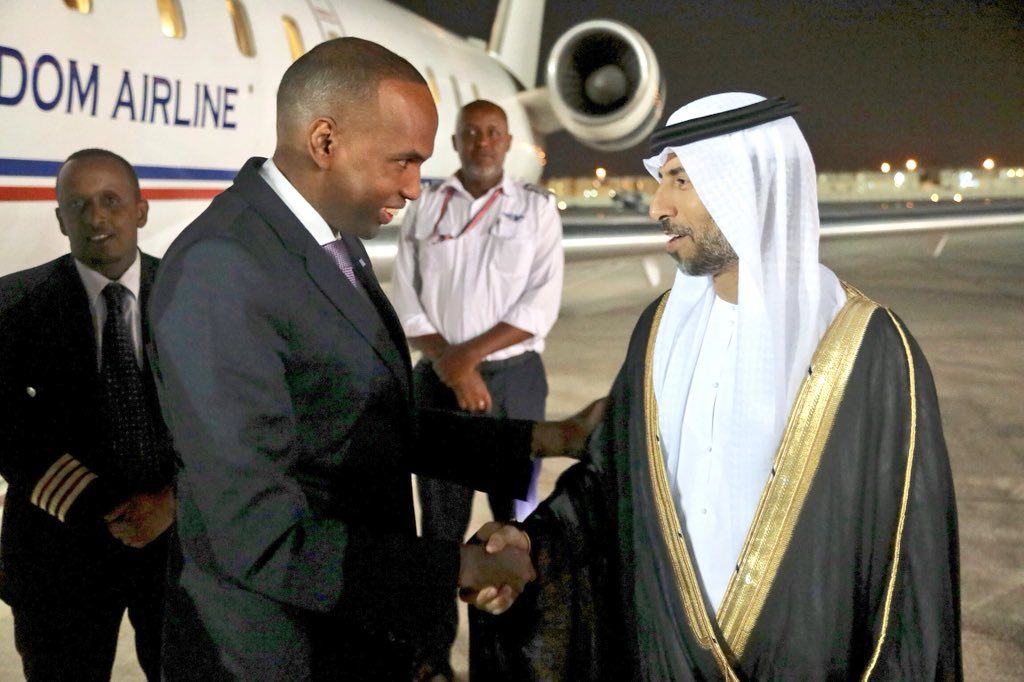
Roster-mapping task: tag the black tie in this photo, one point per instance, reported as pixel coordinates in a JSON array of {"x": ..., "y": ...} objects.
[{"x": 132, "y": 435}]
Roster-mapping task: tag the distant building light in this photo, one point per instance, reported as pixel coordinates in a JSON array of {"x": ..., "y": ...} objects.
[
  {"x": 562, "y": 205},
  {"x": 988, "y": 164},
  {"x": 935, "y": 198},
  {"x": 898, "y": 179},
  {"x": 886, "y": 167},
  {"x": 967, "y": 180},
  {"x": 911, "y": 164},
  {"x": 600, "y": 173},
  {"x": 958, "y": 197}
]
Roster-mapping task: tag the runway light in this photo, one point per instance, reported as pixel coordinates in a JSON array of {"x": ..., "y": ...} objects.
[
  {"x": 898, "y": 179},
  {"x": 988, "y": 164},
  {"x": 886, "y": 167},
  {"x": 562, "y": 205},
  {"x": 935, "y": 198},
  {"x": 611, "y": 193},
  {"x": 1019, "y": 173},
  {"x": 600, "y": 173},
  {"x": 958, "y": 197},
  {"x": 911, "y": 164},
  {"x": 1009, "y": 172}
]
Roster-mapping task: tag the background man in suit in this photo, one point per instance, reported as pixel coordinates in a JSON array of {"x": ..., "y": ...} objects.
[
  {"x": 82, "y": 445},
  {"x": 286, "y": 384}
]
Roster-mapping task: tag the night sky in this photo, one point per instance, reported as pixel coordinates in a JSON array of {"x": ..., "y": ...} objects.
[{"x": 941, "y": 80}]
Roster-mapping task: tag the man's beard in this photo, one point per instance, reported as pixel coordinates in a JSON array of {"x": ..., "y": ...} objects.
[{"x": 712, "y": 252}]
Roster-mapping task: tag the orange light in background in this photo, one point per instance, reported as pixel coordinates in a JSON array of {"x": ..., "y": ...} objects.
[
  {"x": 601, "y": 173},
  {"x": 911, "y": 164},
  {"x": 886, "y": 167},
  {"x": 988, "y": 164}
]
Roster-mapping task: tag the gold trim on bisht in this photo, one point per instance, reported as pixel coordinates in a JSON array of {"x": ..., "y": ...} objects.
[
  {"x": 796, "y": 462},
  {"x": 912, "y": 442},
  {"x": 668, "y": 520}
]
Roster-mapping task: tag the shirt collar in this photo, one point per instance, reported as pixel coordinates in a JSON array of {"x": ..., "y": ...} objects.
[
  {"x": 94, "y": 282},
  {"x": 507, "y": 184},
  {"x": 297, "y": 204}
]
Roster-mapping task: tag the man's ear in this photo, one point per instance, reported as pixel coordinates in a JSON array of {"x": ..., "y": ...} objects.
[
  {"x": 60, "y": 221},
  {"x": 323, "y": 141},
  {"x": 142, "y": 213}
]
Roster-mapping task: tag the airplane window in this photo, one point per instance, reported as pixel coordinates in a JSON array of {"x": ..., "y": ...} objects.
[
  {"x": 291, "y": 30},
  {"x": 243, "y": 29},
  {"x": 458, "y": 95},
  {"x": 83, "y": 6},
  {"x": 172, "y": 22},
  {"x": 476, "y": 91},
  {"x": 432, "y": 82}
]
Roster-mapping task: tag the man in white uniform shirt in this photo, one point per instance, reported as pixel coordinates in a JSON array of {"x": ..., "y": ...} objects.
[{"x": 477, "y": 287}]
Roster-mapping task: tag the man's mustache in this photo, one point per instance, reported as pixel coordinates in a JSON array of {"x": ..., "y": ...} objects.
[{"x": 673, "y": 230}]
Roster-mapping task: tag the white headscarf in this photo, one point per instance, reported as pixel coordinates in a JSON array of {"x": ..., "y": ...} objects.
[{"x": 760, "y": 187}]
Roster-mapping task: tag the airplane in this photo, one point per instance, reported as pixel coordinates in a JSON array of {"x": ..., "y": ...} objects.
[{"x": 185, "y": 90}]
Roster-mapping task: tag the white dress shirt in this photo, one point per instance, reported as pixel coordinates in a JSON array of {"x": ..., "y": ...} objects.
[
  {"x": 296, "y": 203},
  {"x": 94, "y": 284},
  {"x": 704, "y": 479},
  {"x": 506, "y": 267}
]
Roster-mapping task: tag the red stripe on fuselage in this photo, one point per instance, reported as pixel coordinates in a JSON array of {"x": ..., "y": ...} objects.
[{"x": 14, "y": 193}]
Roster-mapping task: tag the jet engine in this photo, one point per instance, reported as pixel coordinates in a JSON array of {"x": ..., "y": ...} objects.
[{"x": 604, "y": 85}]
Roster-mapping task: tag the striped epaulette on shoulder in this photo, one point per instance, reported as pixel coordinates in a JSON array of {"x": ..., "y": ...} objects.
[{"x": 538, "y": 189}]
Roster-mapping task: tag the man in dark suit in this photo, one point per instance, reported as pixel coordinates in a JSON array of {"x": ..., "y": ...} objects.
[
  {"x": 285, "y": 380},
  {"x": 82, "y": 445}
]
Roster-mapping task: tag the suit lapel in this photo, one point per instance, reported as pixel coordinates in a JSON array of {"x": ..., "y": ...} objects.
[
  {"x": 368, "y": 320},
  {"x": 368, "y": 278},
  {"x": 73, "y": 328}
]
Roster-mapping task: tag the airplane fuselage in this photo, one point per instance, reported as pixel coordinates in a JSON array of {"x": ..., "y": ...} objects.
[{"x": 189, "y": 110}]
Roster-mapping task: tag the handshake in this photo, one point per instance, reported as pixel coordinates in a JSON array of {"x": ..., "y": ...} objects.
[{"x": 494, "y": 567}]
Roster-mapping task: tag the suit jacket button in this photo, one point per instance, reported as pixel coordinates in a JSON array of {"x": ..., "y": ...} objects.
[{"x": 31, "y": 391}]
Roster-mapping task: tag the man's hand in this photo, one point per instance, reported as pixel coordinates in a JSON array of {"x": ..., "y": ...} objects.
[
  {"x": 456, "y": 363},
  {"x": 472, "y": 393},
  {"x": 142, "y": 518},
  {"x": 492, "y": 575},
  {"x": 568, "y": 438},
  {"x": 496, "y": 537}
]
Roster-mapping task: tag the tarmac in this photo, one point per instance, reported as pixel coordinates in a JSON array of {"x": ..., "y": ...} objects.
[{"x": 966, "y": 309}]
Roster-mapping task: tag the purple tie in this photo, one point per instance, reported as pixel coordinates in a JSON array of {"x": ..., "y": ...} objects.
[{"x": 339, "y": 252}]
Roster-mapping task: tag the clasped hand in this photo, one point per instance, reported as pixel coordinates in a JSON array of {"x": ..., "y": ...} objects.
[
  {"x": 495, "y": 568},
  {"x": 142, "y": 518},
  {"x": 456, "y": 366}
]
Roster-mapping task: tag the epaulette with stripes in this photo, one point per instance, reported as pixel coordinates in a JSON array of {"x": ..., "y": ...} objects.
[{"x": 538, "y": 189}]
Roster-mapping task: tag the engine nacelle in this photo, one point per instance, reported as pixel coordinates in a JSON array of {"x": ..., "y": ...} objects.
[{"x": 604, "y": 84}]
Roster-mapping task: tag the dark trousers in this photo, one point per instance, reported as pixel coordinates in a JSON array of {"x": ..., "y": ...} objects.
[
  {"x": 75, "y": 637},
  {"x": 519, "y": 390}
]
